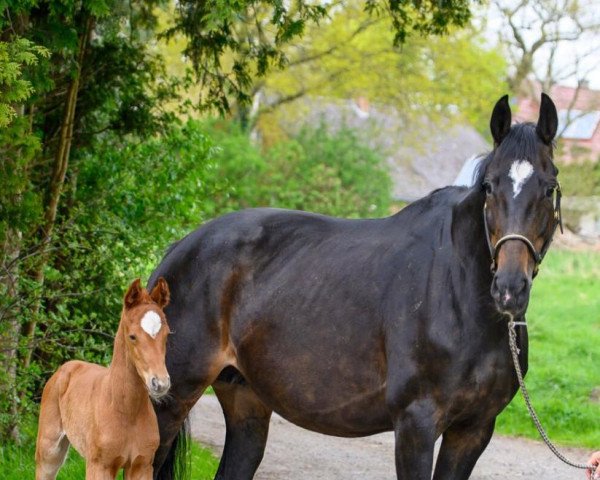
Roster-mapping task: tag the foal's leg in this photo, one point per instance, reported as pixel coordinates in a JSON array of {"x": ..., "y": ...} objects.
[
  {"x": 52, "y": 444},
  {"x": 49, "y": 456},
  {"x": 99, "y": 471},
  {"x": 461, "y": 447},
  {"x": 247, "y": 423},
  {"x": 139, "y": 472}
]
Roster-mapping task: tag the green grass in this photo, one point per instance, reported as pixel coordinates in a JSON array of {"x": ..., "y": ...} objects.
[
  {"x": 564, "y": 352},
  {"x": 18, "y": 463}
]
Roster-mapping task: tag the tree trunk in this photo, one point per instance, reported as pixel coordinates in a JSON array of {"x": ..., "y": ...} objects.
[
  {"x": 59, "y": 171},
  {"x": 10, "y": 333},
  {"x": 10, "y": 313}
]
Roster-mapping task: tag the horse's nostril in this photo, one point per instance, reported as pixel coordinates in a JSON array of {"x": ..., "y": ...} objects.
[
  {"x": 159, "y": 385},
  {"x": 495, "y": 290}
]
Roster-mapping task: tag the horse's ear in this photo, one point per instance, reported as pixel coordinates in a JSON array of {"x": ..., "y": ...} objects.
[
  {"x": 501, "y": 120},
  {"x": 547, "y": 124},
  {"x": 160, "y": 293},
  {"x": 134, "y": 294}
]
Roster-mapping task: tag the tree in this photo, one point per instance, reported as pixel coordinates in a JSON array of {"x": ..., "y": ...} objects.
[
  {"x": 536, "y": 33},
  {"x": 353, "y": 56},
  {"x": 70, "y": 77},
  {"x": 539, "y": 35},
  {"x": 231, "y": 44},
  {"x": 17, "y": 206}
]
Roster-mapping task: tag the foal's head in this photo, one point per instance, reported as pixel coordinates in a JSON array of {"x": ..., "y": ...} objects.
[
  {"x": 520, "y": 185},
  {"x": 145, "y": 331}
]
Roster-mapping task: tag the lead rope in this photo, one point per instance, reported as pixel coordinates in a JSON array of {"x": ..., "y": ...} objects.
[{"x": 512, "y": 334}]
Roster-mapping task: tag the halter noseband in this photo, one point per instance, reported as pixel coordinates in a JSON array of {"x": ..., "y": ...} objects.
[{"x": 537, "y": 256}]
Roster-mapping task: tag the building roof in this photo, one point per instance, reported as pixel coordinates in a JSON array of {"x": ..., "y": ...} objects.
[
  {"x": 579, "y": 108},
  {"x": 580, "y": 125}
]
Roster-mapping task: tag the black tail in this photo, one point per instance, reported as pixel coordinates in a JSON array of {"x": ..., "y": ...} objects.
[{"x": 177, "y": 465}]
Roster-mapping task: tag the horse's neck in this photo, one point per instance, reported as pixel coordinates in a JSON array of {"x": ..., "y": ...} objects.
[
  {"x": 126, "y": 390},
  {"x": 469, "y": 236}
]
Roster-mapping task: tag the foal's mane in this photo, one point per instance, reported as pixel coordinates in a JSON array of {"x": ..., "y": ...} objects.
[{"x": 520, "y": 142}]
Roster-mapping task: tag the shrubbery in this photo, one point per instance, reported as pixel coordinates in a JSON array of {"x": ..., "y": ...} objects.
[
  {"x": 580, "y": 179},
  {"x": 329, "y": 173}
]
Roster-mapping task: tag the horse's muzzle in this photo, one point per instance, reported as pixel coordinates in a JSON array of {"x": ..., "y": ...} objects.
[{"x": 510, "y": 291}]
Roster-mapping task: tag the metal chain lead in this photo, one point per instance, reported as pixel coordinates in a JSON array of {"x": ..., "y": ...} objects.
[{"x": 512, "y": 334}]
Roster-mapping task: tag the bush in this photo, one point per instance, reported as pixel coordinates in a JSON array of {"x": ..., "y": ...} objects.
[
  {"x": 329, "y": 173},
  {"x": 581, "y": 179}
]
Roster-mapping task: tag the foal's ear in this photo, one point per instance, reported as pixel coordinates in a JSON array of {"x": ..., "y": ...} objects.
[
  {"x": 160, "y": 293},
  {"x": 501, "y": 119},
  {"x": 134, "y": 294},
  {"x": 547, "y": 124}
]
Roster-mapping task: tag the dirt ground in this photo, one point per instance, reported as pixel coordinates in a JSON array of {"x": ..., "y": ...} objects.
[{"x": 296, "y": 454}]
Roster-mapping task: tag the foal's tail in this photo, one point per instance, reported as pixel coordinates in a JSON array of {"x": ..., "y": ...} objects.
[{"x": 177, "y": 465}]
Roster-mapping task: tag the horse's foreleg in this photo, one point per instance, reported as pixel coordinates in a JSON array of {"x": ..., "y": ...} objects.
[
  {"x": 247, "y": 427},
  {"x": 461, "y": 447},
  {"x": 171, "y": 416},
  {"x": 415, "y": 435},
  {"x": 52, "y": 443}
]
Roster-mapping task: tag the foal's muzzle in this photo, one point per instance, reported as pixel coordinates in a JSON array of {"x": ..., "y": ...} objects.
[
  {"x": 158, "y": 386},
  {"x": 510, "y": 291}
]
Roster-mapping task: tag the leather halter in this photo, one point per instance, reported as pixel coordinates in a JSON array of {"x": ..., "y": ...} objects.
[{"x": 537, "y": 256}]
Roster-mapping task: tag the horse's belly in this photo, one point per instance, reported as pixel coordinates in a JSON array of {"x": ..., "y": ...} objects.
[
  {"x": 358, "y": 416},
  {"x": 321, "y": 382}
]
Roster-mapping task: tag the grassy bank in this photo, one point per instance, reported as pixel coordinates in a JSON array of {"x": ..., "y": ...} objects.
[
  {"x": 18, "y": 463},
  {"x": 564, "y": 354}
]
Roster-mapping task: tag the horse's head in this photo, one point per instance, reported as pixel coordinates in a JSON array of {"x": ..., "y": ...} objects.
[
  {"x": 145, "y": 331},
  {"x": 522, "y": 206}
]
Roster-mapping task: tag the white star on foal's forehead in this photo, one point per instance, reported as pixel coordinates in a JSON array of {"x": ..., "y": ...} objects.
[
  {"x": 519, "y": 173},
  {"x": 151, "y": 323}
]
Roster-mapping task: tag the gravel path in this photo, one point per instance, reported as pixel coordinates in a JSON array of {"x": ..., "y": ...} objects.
[{"x": 296, "y": 454}]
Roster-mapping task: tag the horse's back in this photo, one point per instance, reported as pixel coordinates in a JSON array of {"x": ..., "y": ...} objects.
[{"x": 71, "y": 374}]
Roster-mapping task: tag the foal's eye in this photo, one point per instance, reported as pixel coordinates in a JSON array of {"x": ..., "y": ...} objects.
[
  {"x": 549, "y": 192},
  {"x": 487, "y": 186},
  {"x": 132, "y": 337}
]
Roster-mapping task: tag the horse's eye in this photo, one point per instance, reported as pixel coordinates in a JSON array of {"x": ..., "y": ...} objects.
[
  {"x": 550, "y": 192},
  {"x": 132, "y": 337},
  {"x": 487, "y": 186}
]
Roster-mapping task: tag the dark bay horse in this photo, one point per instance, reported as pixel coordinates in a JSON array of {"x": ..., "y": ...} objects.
[{"x": 353, "y": 327}]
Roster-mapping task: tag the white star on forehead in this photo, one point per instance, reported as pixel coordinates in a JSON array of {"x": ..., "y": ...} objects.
[
  {"x": 519, "y": 173},
  {"x": 151, "y": 323}
]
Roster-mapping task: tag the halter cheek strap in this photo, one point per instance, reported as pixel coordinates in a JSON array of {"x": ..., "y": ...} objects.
[{"x": 537, "y": 256}]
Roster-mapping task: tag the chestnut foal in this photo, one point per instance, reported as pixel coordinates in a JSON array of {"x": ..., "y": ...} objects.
[{"x": 106, "y": 413}]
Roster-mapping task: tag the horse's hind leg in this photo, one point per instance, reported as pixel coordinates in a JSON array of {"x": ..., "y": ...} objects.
[
  {"x": 247, "y": 427},
  {"x": 50, "y": 455},
  {"x": 52, "y": 443}
]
